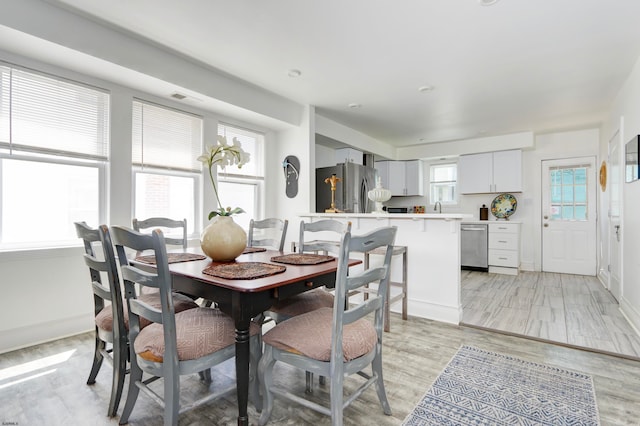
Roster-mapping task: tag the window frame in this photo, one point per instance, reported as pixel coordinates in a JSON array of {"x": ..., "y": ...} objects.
[
  {"x": 239, "y": 178},
  {"x": 197, "y": 190},
  {"x": 35, "y": 151},
  {"x": 168, "y": 170},
  {"x": 456, "y": 197}
]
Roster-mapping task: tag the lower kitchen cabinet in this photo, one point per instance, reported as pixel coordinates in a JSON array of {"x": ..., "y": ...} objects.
[{"x": 504, "y": 248}]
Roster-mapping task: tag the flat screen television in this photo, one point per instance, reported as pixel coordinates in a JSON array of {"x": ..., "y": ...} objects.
[{"x": 631, "y": 169}]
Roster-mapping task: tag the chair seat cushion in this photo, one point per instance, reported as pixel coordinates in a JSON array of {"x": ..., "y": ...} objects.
[
  {"x": 104, "y": 319},
  {"x": 310, "y": 335},
  {"x": 199, "y": 332},
  {"x": 303, "y": 303}
]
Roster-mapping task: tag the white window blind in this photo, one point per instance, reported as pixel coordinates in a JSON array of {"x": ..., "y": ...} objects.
[
  {"x": 50, "y": 115},
  {"x": 166, "y": 138}
]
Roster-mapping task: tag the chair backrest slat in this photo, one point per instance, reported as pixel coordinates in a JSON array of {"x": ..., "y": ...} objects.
[
  {"x": 164, "y": 222},
  {"x": 275, "y": 225},
  {"x": 322, "y": 227}
]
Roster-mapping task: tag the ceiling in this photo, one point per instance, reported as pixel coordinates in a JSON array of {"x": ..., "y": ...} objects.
[{"x": 517, "y": 65}]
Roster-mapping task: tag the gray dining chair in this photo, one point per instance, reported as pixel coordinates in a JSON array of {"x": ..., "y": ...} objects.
[
  {"x": 110, "y": 328},
  {"x": 323, "y": 226},
  {"x": 175, "y": 343},
  {"x": 164, "y": 224},
  {"x": 263, "y": 233},
  {"x": 334, "y": 342},
  {"x": 318, "y": 297}
]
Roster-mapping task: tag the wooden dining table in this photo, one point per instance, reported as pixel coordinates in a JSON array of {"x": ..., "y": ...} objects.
[{"x": 244, "y": 299}]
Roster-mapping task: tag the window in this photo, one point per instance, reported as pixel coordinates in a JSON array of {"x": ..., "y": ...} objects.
[
  {"x": 569, "y": 193},
  {"x": 166, "y": 145},
  {"x": 442, "y": 183},
  {"x": 243, "y": 187},
  {"x": 54, "y": 144}
]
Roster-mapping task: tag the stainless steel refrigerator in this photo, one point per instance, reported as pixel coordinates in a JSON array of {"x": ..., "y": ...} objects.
[{"x": 351, "y": 191}]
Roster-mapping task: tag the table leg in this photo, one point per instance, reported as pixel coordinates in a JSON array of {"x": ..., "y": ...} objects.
[{"x": 242, "y": 372}]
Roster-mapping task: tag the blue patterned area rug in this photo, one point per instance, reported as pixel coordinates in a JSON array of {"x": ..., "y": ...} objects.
[{"x": 478, "y": 387}]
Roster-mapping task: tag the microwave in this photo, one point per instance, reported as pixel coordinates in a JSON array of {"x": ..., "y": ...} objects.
[{"x": 397, "y": 210}]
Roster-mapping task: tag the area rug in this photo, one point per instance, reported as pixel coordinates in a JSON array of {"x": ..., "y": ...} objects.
[{"x": 478, "y": 387}]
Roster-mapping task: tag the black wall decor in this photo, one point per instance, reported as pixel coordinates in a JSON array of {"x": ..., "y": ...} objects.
[{"x": 291, "y": 167}]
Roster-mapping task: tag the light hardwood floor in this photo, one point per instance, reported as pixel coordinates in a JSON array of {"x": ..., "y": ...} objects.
[
  {"x": 569, "y": 309},
  {"x": 46, "y": 384}
]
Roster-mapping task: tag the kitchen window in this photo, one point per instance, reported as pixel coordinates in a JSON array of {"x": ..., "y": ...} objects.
[
  {"x": 54, "y": 145},
  {"x": 243, "y": 187},
  {"x": 165, "y": 147},
  {"x": 442, "y": 183}
]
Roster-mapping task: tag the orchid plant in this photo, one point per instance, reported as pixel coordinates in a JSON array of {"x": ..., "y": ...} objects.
[{"x": 222, "y": 154}]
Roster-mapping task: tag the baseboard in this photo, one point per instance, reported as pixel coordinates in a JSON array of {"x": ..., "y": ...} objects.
[
  {"x": 603, "y": 276},
  {"x": 503, "y": 270},
  {"x": 631, "y": 313},
  {"x": 22, "y": 337},
  {"x": 434, "y": 311},
  {"x": 527, "y": 266}
]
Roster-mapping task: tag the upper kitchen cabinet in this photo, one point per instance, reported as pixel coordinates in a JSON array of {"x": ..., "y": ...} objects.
[
  {"x": 402, "y": 178},
  {"x": 499, "y": 171},
  {"x": 349, "y": 155}
]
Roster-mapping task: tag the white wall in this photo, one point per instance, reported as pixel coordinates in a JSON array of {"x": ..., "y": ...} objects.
[
  {"x": 299, "y": 141},
  {"x": 627, "y": 106}
]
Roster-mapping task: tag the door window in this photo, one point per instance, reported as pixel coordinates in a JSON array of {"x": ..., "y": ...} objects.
[{"x": 568, "y": 193}]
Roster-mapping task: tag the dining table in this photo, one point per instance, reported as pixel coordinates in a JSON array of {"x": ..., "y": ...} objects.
[{"x": 246, "y": 298}]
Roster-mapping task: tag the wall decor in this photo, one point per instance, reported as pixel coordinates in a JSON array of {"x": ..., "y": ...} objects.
[
  {"x": 291, "y": 168},
  {"x": 631, "y": 168},
  {"x": 603, "y": 176},
  {"x": 503, "y": 206}
]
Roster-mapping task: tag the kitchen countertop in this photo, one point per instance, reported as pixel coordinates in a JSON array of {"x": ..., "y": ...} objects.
[
  {"x": 413, "y": 216},
  {"x": 481, "y": 222}
]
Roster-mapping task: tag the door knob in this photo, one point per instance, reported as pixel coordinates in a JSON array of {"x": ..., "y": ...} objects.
[
  {"x": 546, "y": 217},
  {"x": 546, "y": 225}
]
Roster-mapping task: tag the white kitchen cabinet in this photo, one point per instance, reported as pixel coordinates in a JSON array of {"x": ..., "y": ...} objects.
[
  {"x": 499, "y": 171},
  {"x": 349, "y": 155},
  {"x": 402, "y": 178},
  {"x": 504, "y": 248}
]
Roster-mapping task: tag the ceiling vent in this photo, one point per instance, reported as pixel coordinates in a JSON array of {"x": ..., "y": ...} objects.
[{"x": 178, "y": 96}]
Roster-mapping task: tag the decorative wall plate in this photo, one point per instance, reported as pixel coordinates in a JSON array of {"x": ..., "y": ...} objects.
[
  {"x": 603, "y": 176},
  {"x": 503, "y": 206}
]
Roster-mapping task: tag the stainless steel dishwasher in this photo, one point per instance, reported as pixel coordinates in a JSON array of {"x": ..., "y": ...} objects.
[{"x": 474, "y": 244}]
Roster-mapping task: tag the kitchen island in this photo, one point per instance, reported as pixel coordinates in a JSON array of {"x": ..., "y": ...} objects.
[{"x": 433, "y": 257}]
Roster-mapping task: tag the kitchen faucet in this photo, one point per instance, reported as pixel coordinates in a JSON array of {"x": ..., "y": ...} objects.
[{"x": 437, "y": 207}]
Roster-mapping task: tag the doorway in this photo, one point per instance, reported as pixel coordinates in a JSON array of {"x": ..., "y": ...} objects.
[
  {"x": 569, "y": 216},
  {"x": 615, "y": 197}
]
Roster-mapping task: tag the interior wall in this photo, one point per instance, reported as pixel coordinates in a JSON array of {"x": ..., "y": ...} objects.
[
  {"x": 627, "y": 107},
  {"x": 299, "y": 141}
]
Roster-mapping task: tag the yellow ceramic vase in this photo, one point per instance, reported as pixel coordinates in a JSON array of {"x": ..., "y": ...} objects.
[{"x": 223, "y": 240}]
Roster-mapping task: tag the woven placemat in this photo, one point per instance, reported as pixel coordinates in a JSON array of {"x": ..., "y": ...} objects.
[
  {"x": 171, "y": 258},
  {"x": 244, "y": 270},
  {"x": 254, "y": 250},
  {"x": 302, "y": 259}
]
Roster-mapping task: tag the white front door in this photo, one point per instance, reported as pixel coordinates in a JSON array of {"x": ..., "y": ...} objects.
[
  {"x": 615, "y": 195},
  {"x": 569, "y": 216}
]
